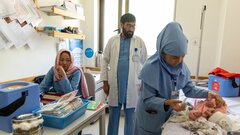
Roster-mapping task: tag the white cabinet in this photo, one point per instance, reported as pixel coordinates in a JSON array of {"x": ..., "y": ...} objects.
[{"x": 99, "y": 93}]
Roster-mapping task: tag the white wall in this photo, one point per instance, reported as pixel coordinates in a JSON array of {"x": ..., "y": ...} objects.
[
  {"x": 230, "y": 54},
  {"x": 190, "y": 22},
  {"x": 25, "y": 62},
  {"x": 220, "y": 46},
  {"x": 90, "y": 28},
  {"x": 220, "y": 41}
]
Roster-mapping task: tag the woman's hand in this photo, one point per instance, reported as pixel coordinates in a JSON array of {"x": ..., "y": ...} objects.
[
  {"x": 219, "y": 101},
  {"x": 177, "y": 105},
  {"x": 61, "y": 72},
  {"x": 106, "y": 87}
]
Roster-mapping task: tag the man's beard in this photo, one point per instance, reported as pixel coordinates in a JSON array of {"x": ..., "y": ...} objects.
[{"x": 128, "y": 34}]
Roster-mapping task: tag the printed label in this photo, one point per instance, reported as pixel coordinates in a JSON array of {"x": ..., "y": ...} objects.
[{"x": 215, "y": 86}]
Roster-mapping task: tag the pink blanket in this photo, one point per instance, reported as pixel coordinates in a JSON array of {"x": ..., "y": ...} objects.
[{"x": 205, "y": 108}]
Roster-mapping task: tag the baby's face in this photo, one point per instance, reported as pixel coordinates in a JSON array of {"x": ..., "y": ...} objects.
[
  {"x": 210, "y": 104},
  {"x": 65, "y": 60}
]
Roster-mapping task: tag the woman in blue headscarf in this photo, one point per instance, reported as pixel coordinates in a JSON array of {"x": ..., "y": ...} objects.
[{"x": 163, "y": 74}]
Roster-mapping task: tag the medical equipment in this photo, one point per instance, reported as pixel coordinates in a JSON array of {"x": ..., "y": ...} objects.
[{"x": 200, "y": 44}]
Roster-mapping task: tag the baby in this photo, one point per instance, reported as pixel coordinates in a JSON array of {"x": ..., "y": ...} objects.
[
  {"x": 206, "y": 108},
  {"x": 212, "y": 111}
]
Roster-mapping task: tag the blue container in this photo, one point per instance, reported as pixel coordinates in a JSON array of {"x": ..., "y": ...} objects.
[
  {"x": 17, "y": 98},
  {"x": 223, "y": 86},
  {"x": 62, "y": 122},
  {"x": 49, "y": 28}
]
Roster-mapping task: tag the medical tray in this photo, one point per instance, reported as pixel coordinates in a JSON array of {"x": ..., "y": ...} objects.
[{"x": 62, "y": 122}]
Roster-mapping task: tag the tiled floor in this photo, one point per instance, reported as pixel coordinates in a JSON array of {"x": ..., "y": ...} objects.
[{"x": 94, "y": 128}]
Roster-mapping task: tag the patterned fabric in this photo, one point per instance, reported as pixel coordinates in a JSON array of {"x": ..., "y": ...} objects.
[
  {"x": 203, "y": 127},
  {"x": 200, "y": 126},
  {"x": 217, "y": 124},
  {"x": 222, "y": 120}
]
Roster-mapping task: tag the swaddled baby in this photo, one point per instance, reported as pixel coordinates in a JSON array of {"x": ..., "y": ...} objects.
[
  {"x": 212, "y": 111},
  {"x": 206, "y": 108}
]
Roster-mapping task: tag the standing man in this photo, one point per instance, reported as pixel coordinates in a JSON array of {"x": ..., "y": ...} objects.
[{"x": 123, "y": 59}]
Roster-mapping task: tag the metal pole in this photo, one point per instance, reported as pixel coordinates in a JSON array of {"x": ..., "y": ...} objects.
[
  {"x": 101, "y": 25},
  {"x": 200, "y": 43},
  {"x": 119, "y": 15}
]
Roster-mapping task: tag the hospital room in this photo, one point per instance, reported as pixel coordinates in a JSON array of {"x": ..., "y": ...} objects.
[{"x": 119, "y": 67}]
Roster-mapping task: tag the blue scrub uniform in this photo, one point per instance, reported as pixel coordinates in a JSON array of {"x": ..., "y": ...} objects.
[{"x": 122, "y": 80}]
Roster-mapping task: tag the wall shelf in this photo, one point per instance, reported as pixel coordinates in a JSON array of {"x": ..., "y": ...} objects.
[
  {"x": 58, "y": 11},
  {"x": 61, "y": 34}
]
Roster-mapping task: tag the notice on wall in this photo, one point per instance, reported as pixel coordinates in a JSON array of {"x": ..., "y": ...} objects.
[
  {"x": 76, "y": 48},
  {"x": 63, "y": 44},
  {"x": 89, "y": 52}
]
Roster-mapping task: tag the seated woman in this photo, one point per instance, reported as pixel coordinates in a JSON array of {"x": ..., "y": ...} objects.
[{"x": 64, "y": 77}]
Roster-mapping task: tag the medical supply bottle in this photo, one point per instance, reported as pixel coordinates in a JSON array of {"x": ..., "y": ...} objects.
[
  {"x": 28, "y": 124},
  {"x": 98, "y": 57}
]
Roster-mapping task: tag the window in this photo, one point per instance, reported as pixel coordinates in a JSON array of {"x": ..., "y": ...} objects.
[
  {"x": 151, "y": 18},
  {"x": 110, "y": 19}
]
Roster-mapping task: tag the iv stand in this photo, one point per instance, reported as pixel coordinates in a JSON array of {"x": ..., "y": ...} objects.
[{"x": 200, "y": 43}]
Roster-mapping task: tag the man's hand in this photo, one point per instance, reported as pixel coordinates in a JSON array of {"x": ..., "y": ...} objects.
[
  {"x": 106, "y": 87},
  {"x": 177, "y": 105}
]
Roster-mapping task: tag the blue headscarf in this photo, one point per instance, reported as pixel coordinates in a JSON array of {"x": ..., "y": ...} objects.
[{"x": 156, "y": 72}]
